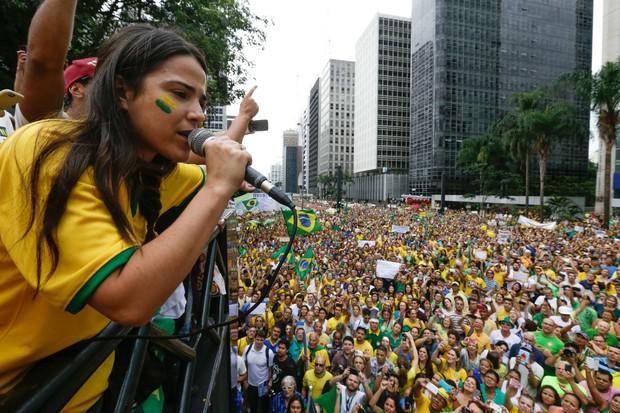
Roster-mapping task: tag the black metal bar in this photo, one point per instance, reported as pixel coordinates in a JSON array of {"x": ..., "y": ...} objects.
[
  {"x": 175, "y": 347},
  {"x": 190, "y": 367},
  {"x": 69, "y": 377},
  {"x": 130, "y": 382}
]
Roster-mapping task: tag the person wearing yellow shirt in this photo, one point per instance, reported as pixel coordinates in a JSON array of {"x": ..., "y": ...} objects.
[
  {"x": 482, "y": 339},
  {"x": 473, "y": 281},
  {"x": 80, "y": 200},
  {"x": 243, "y": 342},
  {"x": 435, "y": 404},
  {"x": 316, "y": 378},
  {"x": 316, "y": 350},
  {"x": 361, "y": 344},
  {"x": 339, "y": 317}
]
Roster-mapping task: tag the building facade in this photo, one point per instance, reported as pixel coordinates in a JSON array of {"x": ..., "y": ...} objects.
[
  {"x": 312, "y": 149},
  {"x": 611, "y": 53},
  {"x": 291, "y": 161},
  {"x": 216, "y": 118},
  {"x": 275, "y": 174},
  {"x": 382, "y": 85},
  {"x": 469, "y": 57},
  {"x": 336, "y": 113}
]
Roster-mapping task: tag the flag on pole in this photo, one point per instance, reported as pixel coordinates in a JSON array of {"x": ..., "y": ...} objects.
[
  {"x": 307, "y": 223},
  {"x": 280, "y": 251},
  {"x": 305, "y": 264}
]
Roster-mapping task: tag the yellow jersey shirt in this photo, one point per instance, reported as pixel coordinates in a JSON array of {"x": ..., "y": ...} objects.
[
  {"x": 35, "y": 326},
  {"x": 317, "y": 383}
]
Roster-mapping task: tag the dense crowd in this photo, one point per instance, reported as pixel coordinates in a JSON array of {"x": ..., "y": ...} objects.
[{"x": 471, "y": 322}]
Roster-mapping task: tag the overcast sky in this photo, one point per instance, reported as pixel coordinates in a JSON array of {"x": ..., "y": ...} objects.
[{"x": 303, "y": 36}]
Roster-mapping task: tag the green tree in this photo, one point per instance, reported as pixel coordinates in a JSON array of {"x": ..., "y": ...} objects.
[
  {"x": 328, "y": 184},
  {"x": 540, "y": 121},
  {"x": 517, "y": 135},
  {"x": 486, "y": 162},
  {"x": 220, "y": 28},
  {"x": 602, "y": 89}
]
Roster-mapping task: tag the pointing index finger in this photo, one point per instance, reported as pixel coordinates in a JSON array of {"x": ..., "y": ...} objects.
[{"x": 251, "y": 91}]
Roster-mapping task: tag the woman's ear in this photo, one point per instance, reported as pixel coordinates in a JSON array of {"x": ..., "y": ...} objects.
[{"x": 123, "y": 92}]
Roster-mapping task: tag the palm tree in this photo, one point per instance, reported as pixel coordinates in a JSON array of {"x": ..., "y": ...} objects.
[
  {"x": 555, "y": 122},
  {"x": 517, "y": 134},
  {"x": 538, "y": 122},
  {"x": 602, "y": 89}
]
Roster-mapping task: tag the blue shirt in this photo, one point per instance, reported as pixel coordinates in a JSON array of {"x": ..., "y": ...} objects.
[{"x": 278, "y": 404}]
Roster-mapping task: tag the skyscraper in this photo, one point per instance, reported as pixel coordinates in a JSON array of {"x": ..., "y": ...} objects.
[
  {"x": 469, "y": 57},
  {"x": 291, "y": 161},
  {"x": 381, "y": 158},
  {"x": 313, "y": 140},
  {"x": 336, "y": 112}
]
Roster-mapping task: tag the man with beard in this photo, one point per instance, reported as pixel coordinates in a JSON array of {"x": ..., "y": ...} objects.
[
  {"x": 344, "y": 358},
  {"x": 349, "y": 395}
]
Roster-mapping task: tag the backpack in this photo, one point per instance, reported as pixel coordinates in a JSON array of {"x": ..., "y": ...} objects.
[{"x": 245, "y": 356}]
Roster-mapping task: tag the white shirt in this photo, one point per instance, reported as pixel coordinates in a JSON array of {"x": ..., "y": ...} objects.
[
  {"x": 257, "y": 366},
  {"x": 350, "y": 401},
  {"x": 6, "y": 126},
  {"x": 496, "y": 335},
  {"x": 553, "y": 302}
]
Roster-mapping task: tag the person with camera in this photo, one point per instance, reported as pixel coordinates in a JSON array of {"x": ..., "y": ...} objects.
[
  {"x": 564, "y": 381},
  {"x": 438, "y": 401},
  {"x": 390, "y": 401}
]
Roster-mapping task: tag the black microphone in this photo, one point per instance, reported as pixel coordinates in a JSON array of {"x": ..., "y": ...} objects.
[{"x": 197, "y": 139}]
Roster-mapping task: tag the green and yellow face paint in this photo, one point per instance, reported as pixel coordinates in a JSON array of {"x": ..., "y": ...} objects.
[{"x": 166, "y": 103}]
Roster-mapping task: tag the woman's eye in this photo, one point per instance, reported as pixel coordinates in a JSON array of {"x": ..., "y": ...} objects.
[{"x": 180, "y": 94}]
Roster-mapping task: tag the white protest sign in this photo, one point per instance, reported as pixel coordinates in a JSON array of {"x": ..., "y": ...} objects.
[
  {"x": 535, "y": 224},
  {"x": 387, "y": 269},
  {"x": 260, "y": 309},
  {"x": 600, "y": 234},
  {"x": 480, "y": 255},
  {"x": 503, "y": 236},
  {"x": 362, "y": 243},
  {"x": 400, "y": 229}
]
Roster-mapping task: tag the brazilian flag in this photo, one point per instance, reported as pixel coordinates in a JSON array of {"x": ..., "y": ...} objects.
[
  {"x": 305, "y": 264},
  {"x": 280, "y": 251},
  {"x": 243, "y": 251},
  {"x": 307, "y": 223},
  {"x": 247, "y": 201}
]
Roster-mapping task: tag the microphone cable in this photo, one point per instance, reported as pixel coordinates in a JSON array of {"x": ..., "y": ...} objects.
[{"x": 239, "y": 319}]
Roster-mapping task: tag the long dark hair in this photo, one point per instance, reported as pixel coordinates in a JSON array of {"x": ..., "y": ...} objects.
[{"x": 106, "y": 140}]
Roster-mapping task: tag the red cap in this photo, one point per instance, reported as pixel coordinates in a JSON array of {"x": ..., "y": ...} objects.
[{"x": 78, "y": 69}]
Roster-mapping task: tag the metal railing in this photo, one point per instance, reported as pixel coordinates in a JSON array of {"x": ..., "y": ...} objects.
[{"x": 203, "y": 361}]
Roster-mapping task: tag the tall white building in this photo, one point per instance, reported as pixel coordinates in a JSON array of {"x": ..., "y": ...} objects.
[
  {"x": 302, "y": 130},
  {"x": 382, "y": 76},
  {"x": 610, "y": 53},
  {"x": 275, "y": 174},
  {"x": 336, "y": 114}
]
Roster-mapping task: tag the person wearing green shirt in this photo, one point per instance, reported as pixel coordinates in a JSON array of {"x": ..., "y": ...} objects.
[
  {"x": 546, "y": 340},
  {"x": 602, "y": 328}
]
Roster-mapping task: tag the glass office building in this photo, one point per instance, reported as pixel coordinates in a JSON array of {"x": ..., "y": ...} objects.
[{"x": 468, "y": 58}]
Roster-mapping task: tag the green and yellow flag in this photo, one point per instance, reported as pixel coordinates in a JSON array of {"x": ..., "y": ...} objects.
[
  {"x": 307, "y": 223},
  {"x": 280, "y": 251},
  {"x": 246, "y": 202},
  {"x": 305, "y": 264}
]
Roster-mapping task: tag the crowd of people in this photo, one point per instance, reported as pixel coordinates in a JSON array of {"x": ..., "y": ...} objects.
[{"x": 471, "y": 321}]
